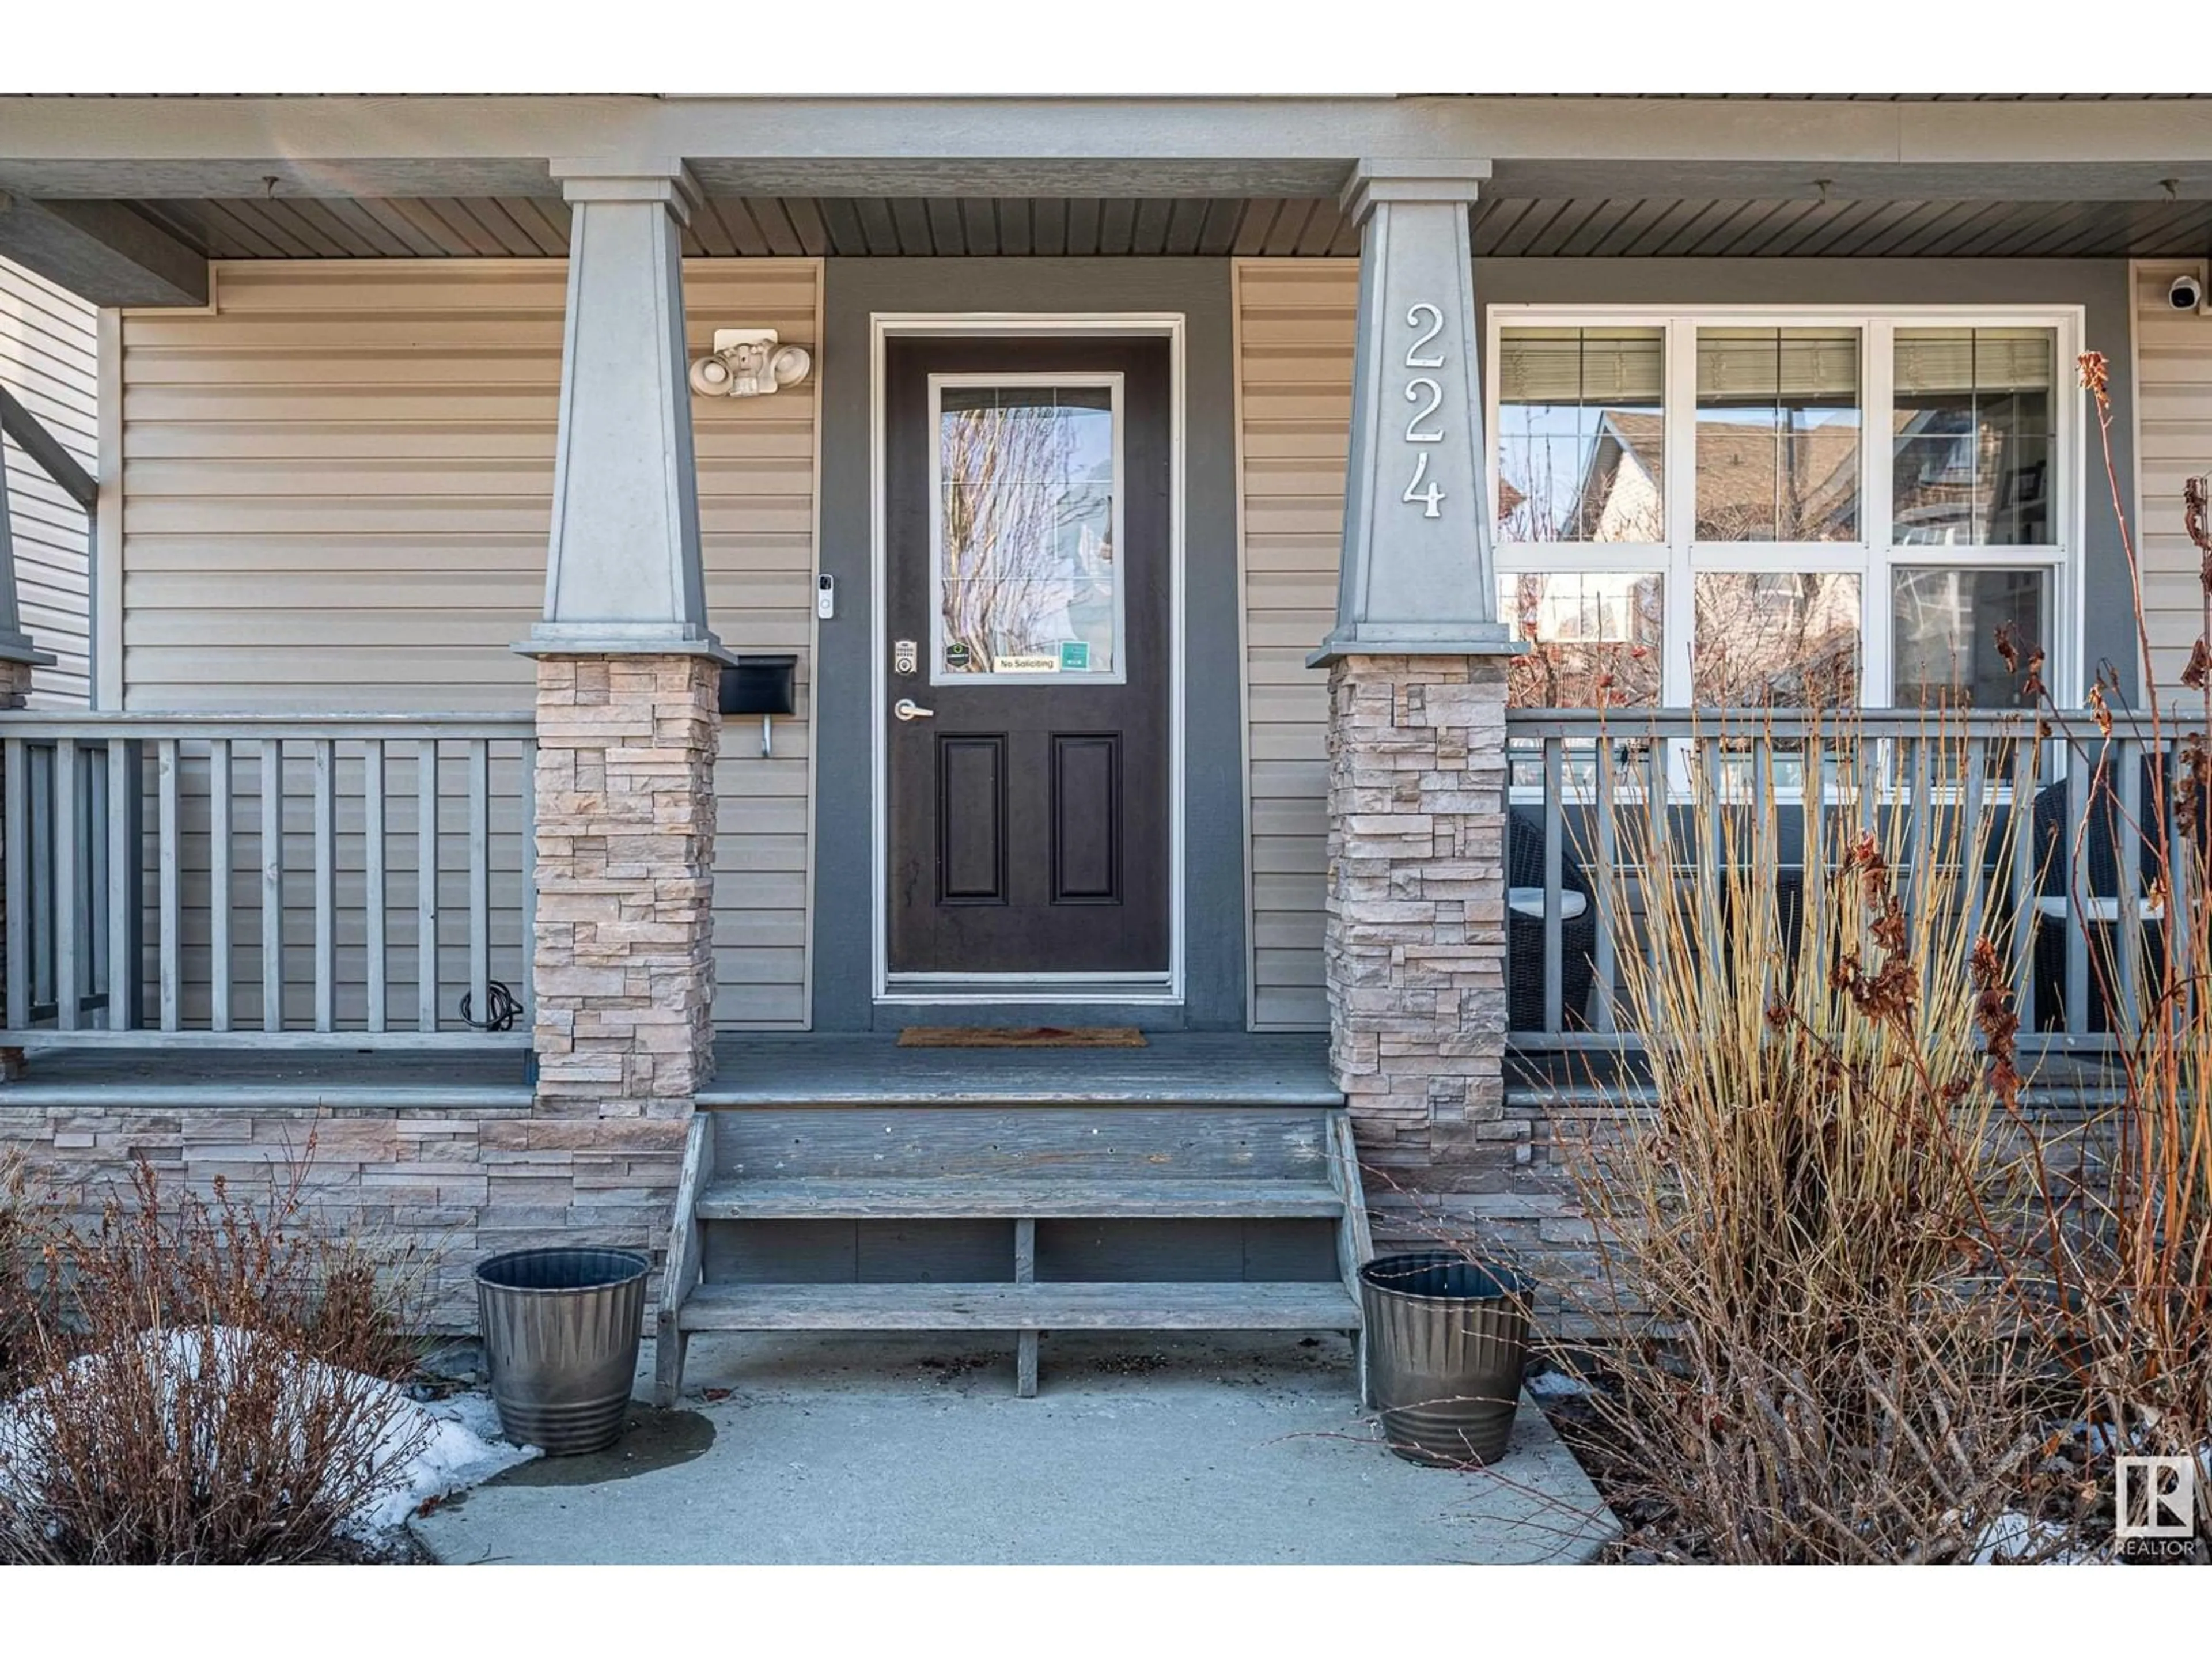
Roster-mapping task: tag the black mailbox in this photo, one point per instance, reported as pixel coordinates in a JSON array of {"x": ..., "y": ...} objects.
[
  {"x": 761, "y": 685},
  {"x": 765, "y": 686}
]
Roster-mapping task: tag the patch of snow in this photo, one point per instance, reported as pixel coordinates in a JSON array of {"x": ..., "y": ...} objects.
[
  {"x": 1554, "y": 1385},
  {"x": 2014, "y": 1536},
  {"x": 459, "y": 1448}
]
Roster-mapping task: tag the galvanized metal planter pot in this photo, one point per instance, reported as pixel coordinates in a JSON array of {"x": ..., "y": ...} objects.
[
  {"x": 560, "y": 1330},
  {"x": 1446, "y": 1342}
]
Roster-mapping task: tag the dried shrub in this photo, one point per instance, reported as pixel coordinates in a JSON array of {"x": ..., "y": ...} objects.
[
  {"x": 208, "y": 1381},
  {"x": 2129, "y": 1245},
  {"x": 1814, "y": 1356},
  {"x": 13, "y": 1267}
]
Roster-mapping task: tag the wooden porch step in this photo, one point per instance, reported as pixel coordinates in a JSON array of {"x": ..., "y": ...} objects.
[
  {"x": 824, "y": 1199},
  {"x": 1037, "y": 1307}
]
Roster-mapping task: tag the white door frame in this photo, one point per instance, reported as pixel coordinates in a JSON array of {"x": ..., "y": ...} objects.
[{"x": 1121, "y": 988}]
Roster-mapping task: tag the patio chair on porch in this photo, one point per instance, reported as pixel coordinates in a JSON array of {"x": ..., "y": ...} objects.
[
  {"x": 2096, "y": 884},
  {"x": 1524, "y": 918}
]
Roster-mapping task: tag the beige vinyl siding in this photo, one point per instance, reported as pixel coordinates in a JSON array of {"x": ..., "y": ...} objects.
[
  {"x": 49, "y": 358},
  {"x": 337, "y": 486},
  {"x": 1295, "y": 324},
  {"x": 2173, "y": 426}
]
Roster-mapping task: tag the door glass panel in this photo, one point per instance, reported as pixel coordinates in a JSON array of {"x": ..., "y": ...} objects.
[
  {"x": 1582, "y": 443},
  {"x": 1972, "y": 430},
  {"x": 1777, "y": 443},
  {"x": 1026, "y": 587}
]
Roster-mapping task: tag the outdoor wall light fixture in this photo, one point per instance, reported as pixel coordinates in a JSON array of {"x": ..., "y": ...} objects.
[{"x": 747, "y": 363}]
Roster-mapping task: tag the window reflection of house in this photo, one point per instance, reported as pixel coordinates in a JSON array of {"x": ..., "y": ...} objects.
[{"x": 1594, "y": 637}]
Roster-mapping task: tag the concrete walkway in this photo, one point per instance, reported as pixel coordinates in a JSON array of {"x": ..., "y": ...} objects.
[{"x": 878, "y": 1450}]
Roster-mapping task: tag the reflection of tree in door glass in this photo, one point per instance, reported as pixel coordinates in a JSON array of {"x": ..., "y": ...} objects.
[{"x": 1025, "y": 559}]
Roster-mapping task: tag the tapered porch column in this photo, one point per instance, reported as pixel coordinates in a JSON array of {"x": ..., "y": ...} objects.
[
  {"x": 1415, "y": 944},
  {"x": 627, "y": 675}
]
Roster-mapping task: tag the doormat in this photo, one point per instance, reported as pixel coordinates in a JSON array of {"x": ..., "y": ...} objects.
[{"x": 1021, "y": 1036}]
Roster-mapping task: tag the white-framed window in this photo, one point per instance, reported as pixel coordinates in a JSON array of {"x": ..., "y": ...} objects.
[
  {"x": 1026, "y": 584},
  {"x": 1815, "y": 505}
]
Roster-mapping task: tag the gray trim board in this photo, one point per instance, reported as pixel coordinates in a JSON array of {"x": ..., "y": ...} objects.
[
  {"x": 104, "y": 252},
  {"x": 1215, "y": 954},
  {"x": 1572, "y": 147}
]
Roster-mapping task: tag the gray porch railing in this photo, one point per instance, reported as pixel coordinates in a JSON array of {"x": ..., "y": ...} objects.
[
  {"x": 1576, "y": 776},
  {"x": 255, "y": 880}
]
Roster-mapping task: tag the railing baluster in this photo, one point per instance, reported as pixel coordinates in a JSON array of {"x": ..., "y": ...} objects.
[
  {"x": 125, "y": 855},
  {"x": 2081, "y": 901},
  {"x": 1974, "y": 835},
  {"x": 272, "y": 885},
  {"x": 1917, "y": 877},
  {"x": 1659, "y": 852},
  {"x": 1603, "y": 969},
  {"x": 1813, "y": 876},
  {"x": 1763, "y": 823},
  {"x": 68, "y": 900},
  {"x": 219, "y": 853},
  {"x": 17, "y": 851},
  {"x": 43, "y": 907},
  {"x": 326, "y": 883},
  {"x": 528, "y": 792},
  {"x": 372, "y": 843},
  {"x": 426, "y": 885},
  {"x": 480, "y": 881},
  {"x": 95, "y": 937},
  {"x": 2124, "y": 962},
  {"x": 2027, "y": 876},
  {"x": 1710, "y": 876},
  {"x": 2187, "y": 875},
  {"x": 165, "y": 858},
  {"x": 1554, "y": 875}
]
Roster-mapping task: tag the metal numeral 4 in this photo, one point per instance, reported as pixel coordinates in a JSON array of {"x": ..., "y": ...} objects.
[{"x": 1419, "y": 496}]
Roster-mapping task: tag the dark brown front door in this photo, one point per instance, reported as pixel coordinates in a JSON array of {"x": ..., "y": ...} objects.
[{"x": 1028, "y": 544}]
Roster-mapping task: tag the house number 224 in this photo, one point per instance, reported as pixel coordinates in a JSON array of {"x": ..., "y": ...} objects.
[{"x": 1427, "y": 395}]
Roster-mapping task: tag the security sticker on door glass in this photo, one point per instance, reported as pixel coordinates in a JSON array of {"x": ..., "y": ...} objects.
[
  {"x": 1026, "y": 573},
  {"x": 958, "y": 655}
]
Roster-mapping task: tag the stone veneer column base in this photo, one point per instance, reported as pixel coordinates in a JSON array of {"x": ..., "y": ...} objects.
[
  {"x": 1415, "y": 953},
  {"x": 624, "y": 972}
]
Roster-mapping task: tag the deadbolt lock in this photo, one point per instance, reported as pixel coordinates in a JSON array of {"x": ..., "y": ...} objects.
[{"x": 906, "y": 657}]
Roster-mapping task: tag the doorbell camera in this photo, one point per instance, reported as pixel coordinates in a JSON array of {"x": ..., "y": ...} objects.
[
  {"x": 825, "y": 597},
  {"x": 2187, "y": 292}
]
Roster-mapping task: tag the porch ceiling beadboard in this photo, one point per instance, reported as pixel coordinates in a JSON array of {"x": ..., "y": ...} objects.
[
  {"x": 49, "y": 352},
  {"x": 338, "y": 485},
  {"x": 293, "y": 227},
  {"x": 2173, "y": 424},
  {"x": 1295, "y": 328}
]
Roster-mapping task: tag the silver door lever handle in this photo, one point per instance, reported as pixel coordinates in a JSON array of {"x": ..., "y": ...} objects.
[{"x": 906, "y": 709}]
